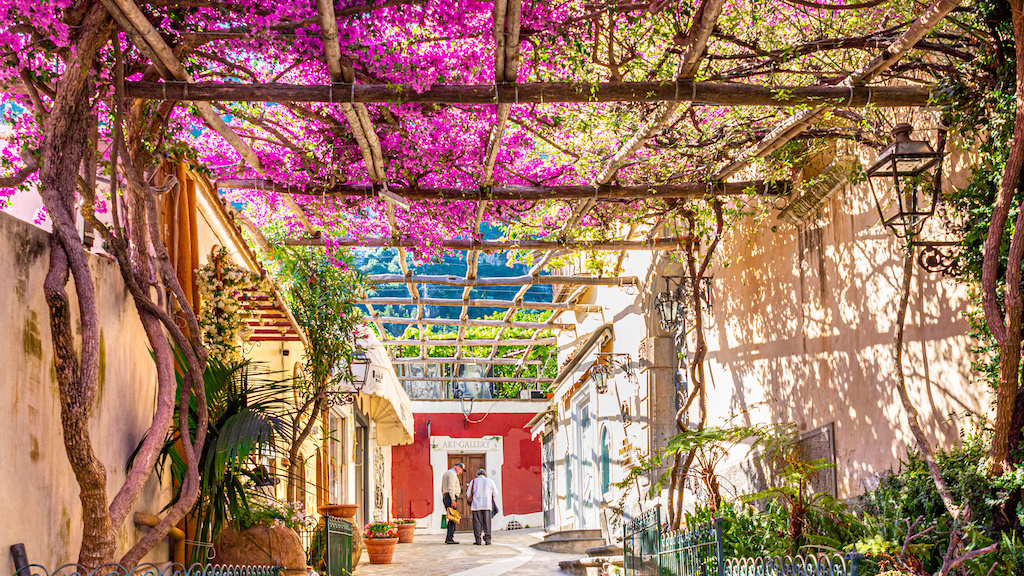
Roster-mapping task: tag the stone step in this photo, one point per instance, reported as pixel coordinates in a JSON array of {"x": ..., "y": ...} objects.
[
  {"x": 568, "y": 545},
  {"x": 609, "y": 550},
  {"x": 572, "y": 535},
  {"x": 588, "y": 566}
]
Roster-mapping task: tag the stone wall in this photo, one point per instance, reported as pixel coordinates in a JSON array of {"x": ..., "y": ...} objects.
[{"x": 40, "y": 504}]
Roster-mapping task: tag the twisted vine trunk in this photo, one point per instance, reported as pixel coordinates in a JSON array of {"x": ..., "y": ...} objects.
[
  {"x": 1005, "y": 323},
  {"x": 65, "y": 141},
  {"x": 901, "y": 387},
  {"x": 65, "y": 136},
  {"x": 695, "y": 270}
]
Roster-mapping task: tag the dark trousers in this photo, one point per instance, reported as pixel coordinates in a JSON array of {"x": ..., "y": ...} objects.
[
  {"x": 447, "y": 499},
  {"x": 482, "y": 524}
]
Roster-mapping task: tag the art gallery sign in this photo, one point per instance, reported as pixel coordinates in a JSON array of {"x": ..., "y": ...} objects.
[{"x": 467, "y": 444}]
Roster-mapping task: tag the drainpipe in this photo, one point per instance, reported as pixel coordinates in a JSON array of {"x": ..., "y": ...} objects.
[{"x": 595, "y": 336}]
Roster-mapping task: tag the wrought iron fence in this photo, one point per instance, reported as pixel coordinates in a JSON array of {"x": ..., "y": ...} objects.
[
  {"x": 329, "y": 547},
  {"x": 170, "y": 569},
  {"x": 801, "y": 565},
  {"x": 641, "y": 546},
  {"x": 698, "y": 551}
]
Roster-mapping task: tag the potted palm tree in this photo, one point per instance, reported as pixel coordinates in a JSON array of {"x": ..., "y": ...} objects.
[{"x": 380, "y": 539}]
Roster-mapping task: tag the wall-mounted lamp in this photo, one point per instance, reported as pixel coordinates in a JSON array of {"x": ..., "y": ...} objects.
[
  {"x": 361, "y": 372},
  {"x": 908, "y": 159},
  {"x": 914, "y": 160},
  {"x": 672, "y": 302},
  {"x": 604, "y": 367}
]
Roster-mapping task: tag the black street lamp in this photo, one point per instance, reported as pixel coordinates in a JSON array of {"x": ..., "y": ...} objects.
[{"x": 908, "y": 159}]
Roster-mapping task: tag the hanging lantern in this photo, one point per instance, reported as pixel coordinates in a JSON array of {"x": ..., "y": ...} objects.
[
  {"x": 908, "y": 159},
  {"x": 671, "y": 304},
  {"x": 600, "y": 373}
]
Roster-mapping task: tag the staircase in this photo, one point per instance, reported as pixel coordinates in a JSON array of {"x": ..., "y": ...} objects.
[
  {"x": 570, "y": 541},
  {"x": 598, "y": 557}
]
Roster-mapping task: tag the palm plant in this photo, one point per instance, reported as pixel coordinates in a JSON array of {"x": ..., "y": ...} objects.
[{"x": 247, "y": 408}]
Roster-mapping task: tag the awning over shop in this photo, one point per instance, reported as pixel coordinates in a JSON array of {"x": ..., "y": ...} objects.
[{"x": 385, "y": 400}]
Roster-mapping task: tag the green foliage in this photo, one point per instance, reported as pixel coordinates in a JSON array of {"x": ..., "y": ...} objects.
[
  {"x": 909, "y": 495},
  {"x": 546, "y": 354},
  {"x": 267, "y": 512},
  {"x": 712, "y": 444},
  {"x": 980, "y": 113},
  {"x": 380, "y": 530},
  {"x": 321, "y": 291},
  {"x": 244, "y": 407}
]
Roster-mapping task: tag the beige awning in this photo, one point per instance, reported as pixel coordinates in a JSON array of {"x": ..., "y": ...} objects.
[{"x": 384, "y": 398}]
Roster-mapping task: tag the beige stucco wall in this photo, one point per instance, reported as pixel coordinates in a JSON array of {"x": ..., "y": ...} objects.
[
  {"x": 800, "y": 331},
  {"x": 40, "y": 506},
  {"x": 803, "y": 328}
]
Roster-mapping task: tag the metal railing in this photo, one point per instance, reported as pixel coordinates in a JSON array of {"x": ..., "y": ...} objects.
[
  {"x": 698, "y": 551},
  {"x": 641, "y": 546},
  {"x": 809, "y": 565},
  {"x": 329, "y": 546},
  {"x": 149, "y": 570},
  {"x": 339, "y": 546}
]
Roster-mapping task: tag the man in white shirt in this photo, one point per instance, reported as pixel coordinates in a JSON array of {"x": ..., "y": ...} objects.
[
  {"x": 451, "y": 489},
  {"x": 483, "y": 498}
]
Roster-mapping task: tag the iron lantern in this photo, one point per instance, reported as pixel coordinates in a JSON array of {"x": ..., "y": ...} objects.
[
  {"x": 908, "y": 159},
  {"x": 360, "y": 370},
  {"x": 671, "y": 304},
  {"x": 600, "y": 373}
]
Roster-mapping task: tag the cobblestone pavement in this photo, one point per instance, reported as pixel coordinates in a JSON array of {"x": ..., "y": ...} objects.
[{"x": 510, "y": 554}]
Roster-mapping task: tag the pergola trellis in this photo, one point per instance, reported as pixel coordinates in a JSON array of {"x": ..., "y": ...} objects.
[{"x": 852, "y": 91}]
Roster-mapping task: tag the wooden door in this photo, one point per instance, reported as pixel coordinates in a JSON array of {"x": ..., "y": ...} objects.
[{"x": 473, "y": 462}]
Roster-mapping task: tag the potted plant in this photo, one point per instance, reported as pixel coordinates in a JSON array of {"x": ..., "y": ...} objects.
[
  {"x": 380, "y": 539},
  {"x": 406, "y": 529}
]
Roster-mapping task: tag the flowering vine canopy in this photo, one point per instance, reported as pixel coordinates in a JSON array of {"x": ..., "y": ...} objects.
[{"x": 413, "y": 46}]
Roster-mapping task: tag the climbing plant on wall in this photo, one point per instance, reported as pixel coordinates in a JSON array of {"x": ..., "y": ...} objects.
[{"x": 222, "y": 285}]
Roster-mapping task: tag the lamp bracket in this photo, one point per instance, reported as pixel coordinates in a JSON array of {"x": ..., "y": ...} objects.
[{"x": 937, "y": 256}]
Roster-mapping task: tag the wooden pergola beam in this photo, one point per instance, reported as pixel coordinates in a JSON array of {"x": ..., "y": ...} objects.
[
  {"x": 484, "y": 380},
  {"x": 465, "y": 360},
  {"x": 481, "y": 303},
  {"x": 473, "y": 322},
  {"x": 603, "y": 192},
  {"x": 494, "y": 245},
  {"x": 472, "y": 343},
  {"x": 505, "y": 281},
  {"x": 708, "y": 93}
]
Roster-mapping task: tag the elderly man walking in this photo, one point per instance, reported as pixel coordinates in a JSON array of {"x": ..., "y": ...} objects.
[
  {"x": 483, "y": 495},
  {"x": 451, "y": 489}
]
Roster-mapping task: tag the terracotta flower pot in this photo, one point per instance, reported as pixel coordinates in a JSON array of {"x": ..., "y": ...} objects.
[
  {"x": 406, "y": 532},
  {"x": 380, "y": 550},
  {"x": 339, "y": 510}
]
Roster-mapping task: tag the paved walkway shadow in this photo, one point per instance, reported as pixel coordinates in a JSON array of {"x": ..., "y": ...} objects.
[{"x": 430, "y": 556}]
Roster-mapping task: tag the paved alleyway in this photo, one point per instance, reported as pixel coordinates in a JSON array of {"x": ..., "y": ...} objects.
[{"x": 429, "y": 556}]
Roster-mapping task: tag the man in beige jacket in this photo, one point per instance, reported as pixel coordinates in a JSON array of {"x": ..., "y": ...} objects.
[{"x": 451, "y": 489}]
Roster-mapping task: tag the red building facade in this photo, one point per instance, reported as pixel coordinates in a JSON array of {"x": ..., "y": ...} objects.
[{"x": 492, "y": 437}]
